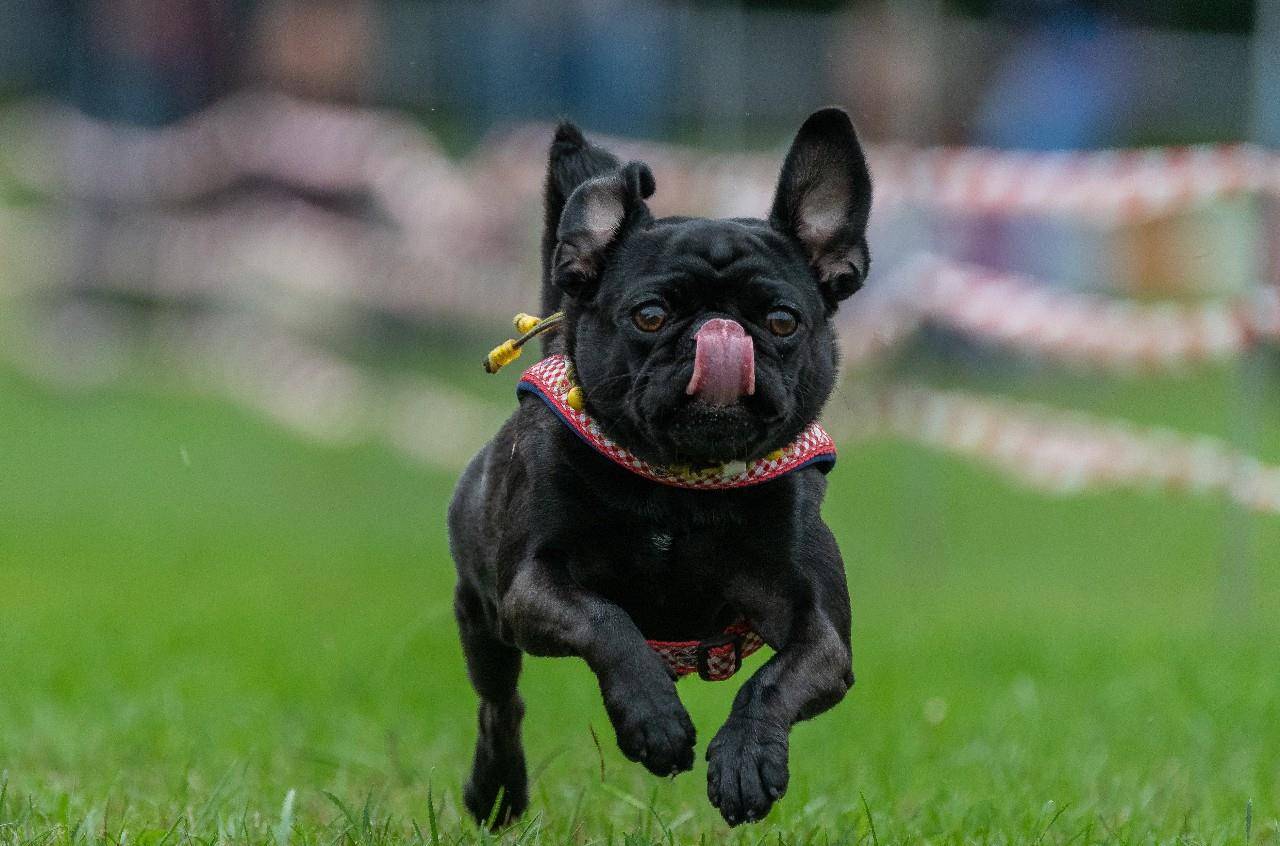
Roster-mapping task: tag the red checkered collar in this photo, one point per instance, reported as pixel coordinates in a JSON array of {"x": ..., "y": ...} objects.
[{"x": 552, "y": 379}]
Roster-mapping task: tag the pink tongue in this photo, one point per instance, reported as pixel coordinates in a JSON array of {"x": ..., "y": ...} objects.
[{"x": 724, "y": 366}]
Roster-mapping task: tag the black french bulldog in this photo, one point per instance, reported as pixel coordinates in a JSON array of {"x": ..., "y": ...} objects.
[{"x": 695, "y": 342}]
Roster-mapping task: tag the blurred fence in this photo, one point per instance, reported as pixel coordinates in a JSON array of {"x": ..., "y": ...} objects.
[
  {"x": 1058, "y": 451},
  {"x": 1078, "y": 330},
  {"x": 249, "y": 235},
  {"x": 360, "y": 204}
]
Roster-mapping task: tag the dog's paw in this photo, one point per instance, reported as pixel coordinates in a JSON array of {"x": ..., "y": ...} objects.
[
  {"x": 494, "y": 803},
  {"x": 653, "y": 727},
  {"x": 498, "y": 790},
  {"x": 746, "y": 769}
]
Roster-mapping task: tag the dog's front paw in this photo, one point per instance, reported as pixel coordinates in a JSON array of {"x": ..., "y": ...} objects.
[
  {"x": 652, "y": 725},
  {"x": 747, "y": 769}
]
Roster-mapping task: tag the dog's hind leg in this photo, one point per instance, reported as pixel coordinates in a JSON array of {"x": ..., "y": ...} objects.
[{"x": 498, "y": 787}]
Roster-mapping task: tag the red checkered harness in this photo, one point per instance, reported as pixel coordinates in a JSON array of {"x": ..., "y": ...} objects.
[
  {"x": 720, "y": 657},
  {"x": 552, "y": 378},
  {"x": 714, "y": 659}
]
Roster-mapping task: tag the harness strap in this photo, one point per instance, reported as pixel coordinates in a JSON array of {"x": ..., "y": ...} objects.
[
  {"x": 553, "y": 381},
  {"x": 714, "y": 659},
  {"x": 720, "y": 657}
]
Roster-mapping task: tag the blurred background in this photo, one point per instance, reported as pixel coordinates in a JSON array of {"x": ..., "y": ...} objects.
[
  {"x": 275, "y": 200},
  {"x": 251, "y": 254}
]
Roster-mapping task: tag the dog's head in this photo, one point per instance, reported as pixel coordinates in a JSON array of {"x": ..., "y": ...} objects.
[{"x": 700, "y": 340}]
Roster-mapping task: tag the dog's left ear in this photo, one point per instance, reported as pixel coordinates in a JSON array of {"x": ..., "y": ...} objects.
[
  {"x": 823, "y": 201},
  {"x": 594, "y": 218}
]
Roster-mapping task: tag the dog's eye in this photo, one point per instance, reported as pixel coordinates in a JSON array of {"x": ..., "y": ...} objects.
[
  {"x": 649, "y": 318},
  {"x": 781, "y": 322}
]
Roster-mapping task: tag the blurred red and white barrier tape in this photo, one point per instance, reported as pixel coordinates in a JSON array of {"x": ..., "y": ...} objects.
[
  {"x": 329, "y": 147},
  {"x": 329, "y": 399},
  {"x": 461, "y": 236},
  {"x": 1077, "y": 328},
  {"x": 1063, "y": 452},
  {"x": 260, "y": 368},
  {"x": 1104, "y": 187},
  {"x": 59, "y": 152}
]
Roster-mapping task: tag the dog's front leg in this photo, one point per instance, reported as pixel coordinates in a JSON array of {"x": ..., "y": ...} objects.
[
  {"x": 544, "y": 613},
  {"x": 811, "y": 672}
]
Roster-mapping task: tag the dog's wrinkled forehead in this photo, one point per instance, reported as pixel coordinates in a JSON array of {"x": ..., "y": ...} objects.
[{"x": 710, "y": 250}]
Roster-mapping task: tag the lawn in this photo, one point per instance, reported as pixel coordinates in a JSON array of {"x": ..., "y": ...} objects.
[{"x": 212, "y": 631}]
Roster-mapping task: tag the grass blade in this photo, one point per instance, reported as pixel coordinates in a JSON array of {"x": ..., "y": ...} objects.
[{"x": 875, "y": 840}]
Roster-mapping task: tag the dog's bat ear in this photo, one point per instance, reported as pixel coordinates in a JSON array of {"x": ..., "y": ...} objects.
[
  {"x": 595, "y": 215},
  {"x": 571, "y": 161},
  {"x": 823, "y": 200}
]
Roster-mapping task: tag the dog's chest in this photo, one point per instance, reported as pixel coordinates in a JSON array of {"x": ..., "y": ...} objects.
[
  {"x": 671, "y": 581},
  {"x": 660, "y": 544}
]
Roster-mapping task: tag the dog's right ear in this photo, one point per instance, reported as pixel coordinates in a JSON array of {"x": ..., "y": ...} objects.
[
  {"x": 595, "y": 216},
  {"x": 823, "y": 200}
]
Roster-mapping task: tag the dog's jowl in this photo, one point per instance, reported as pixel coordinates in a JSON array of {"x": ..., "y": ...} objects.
[{"x": 652, "y": 507}]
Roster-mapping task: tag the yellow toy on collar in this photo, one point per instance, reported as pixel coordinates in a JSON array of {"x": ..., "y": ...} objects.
[{"x": 529, "y": 326}]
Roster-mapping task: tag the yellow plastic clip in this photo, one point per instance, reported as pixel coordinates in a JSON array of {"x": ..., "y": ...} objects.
[
  {"x": 529, "y": 326},
  {"x": 525, "y": 322},
  {"x": 501, "y": 355}
]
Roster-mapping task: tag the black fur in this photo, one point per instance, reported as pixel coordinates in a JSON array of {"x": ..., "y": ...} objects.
[{"x": 560, "y": 552}]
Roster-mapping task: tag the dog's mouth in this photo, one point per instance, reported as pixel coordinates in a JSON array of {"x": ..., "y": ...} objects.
[
  {"x": 724, "y": 367},
  {"x": 720, "y": 411},
  {"x": 695, "y": 429}
]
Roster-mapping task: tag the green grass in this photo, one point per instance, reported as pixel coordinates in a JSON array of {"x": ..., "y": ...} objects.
[{"x": 200, "y": 614}]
